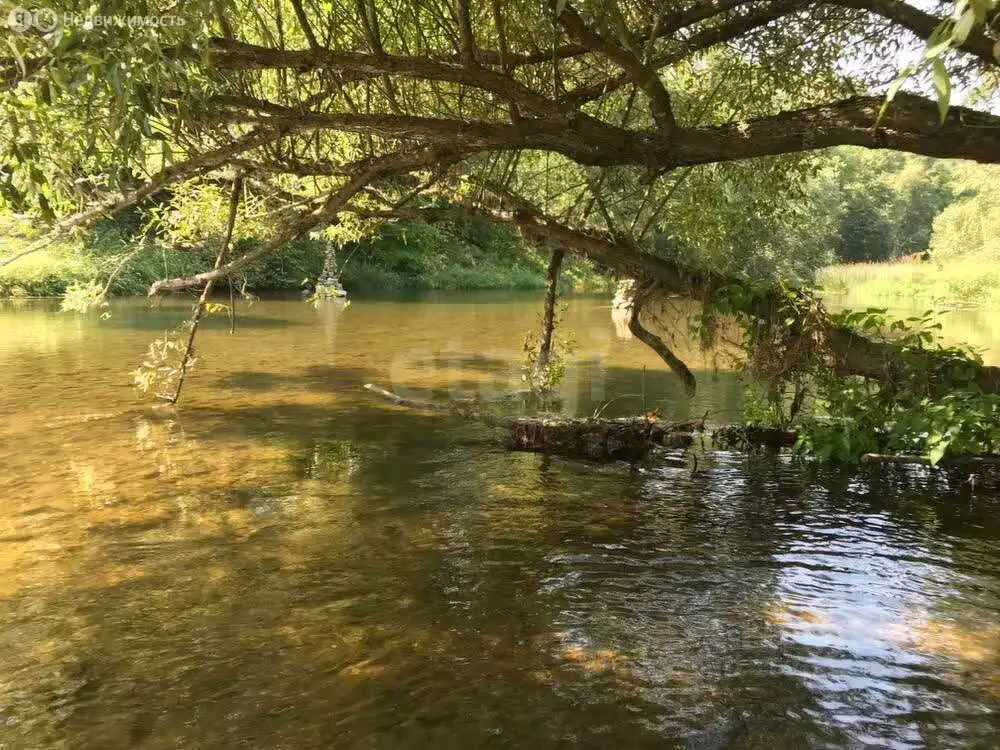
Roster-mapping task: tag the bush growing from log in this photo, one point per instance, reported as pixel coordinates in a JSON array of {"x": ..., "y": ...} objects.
[{"x": 926, "y": 402}]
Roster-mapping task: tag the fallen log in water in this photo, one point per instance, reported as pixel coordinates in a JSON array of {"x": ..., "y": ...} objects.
[
  {"x": 595, "y": 439},
  {"x": 631, "y": 439}
]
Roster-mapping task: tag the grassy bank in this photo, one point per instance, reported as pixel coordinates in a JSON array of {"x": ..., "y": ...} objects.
[
  {"x": 131, "y": 266},
  {"x": 475, "y": 256},
  {"x": 962, "y": 281}
]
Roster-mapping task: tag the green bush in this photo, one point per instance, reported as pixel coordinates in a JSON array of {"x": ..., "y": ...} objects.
[{"x": 472, "y": 256}]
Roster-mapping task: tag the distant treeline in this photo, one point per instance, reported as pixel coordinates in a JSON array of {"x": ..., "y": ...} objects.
[{"x": 894, "y": 205}]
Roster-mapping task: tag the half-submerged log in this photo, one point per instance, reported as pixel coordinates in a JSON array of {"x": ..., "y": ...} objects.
[
  {"x": 597, "y": 439},
  {"x": 628, "y": 439}
]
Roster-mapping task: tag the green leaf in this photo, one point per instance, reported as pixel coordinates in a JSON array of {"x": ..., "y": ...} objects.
[
  {"x": 17, "y": 57},
  {"x": 942, "y": 84},
  {"x": 935, "y": 52},
  {"x": 963, "y": 26},
  {"x": 939, "y": 40},
  {"x": 936, "y": 453}
]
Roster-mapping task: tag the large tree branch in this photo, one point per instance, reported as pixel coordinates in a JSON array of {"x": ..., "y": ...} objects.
[
  {"x": 590, "y": 142},
  {"x": 911, "y": 124},
  {"x": 394, "y": 163},
  {"x": 922, "y": 24},
  {"x": 231, "y": 55}
]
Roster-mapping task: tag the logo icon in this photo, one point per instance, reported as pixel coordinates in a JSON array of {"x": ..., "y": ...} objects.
[
  {"x": 45, "y": 20},
  {"x": 19, "y": 20}
]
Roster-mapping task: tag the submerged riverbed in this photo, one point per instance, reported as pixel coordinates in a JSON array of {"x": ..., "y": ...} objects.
[{"x": 283, "y": 561}]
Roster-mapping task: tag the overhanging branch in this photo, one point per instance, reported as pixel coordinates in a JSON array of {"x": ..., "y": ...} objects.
[
  {"x": 394, "y": 163},
  {"x": 911, "y": 124},
  {"x": 923, "y": 24},
  {"x": 852, "y": 353}
]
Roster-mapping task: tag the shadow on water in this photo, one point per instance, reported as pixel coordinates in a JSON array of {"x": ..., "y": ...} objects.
[
  {"x": 320, "y": 378},
  {"x": 160, "y": 319},
  {"x": 284, "y": 561}
]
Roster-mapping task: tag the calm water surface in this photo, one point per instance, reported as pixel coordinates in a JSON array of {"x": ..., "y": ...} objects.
[{"x": 284, "y": 562}]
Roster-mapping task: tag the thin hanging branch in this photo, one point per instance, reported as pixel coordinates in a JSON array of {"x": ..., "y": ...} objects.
[
  {"x": 199, "y": 310},
  {"x": 637, "y": 71},
  {"x": 654, "y": 342},
  {"x": 468, "y": 47},
  {"x": 300, "y": 15}
]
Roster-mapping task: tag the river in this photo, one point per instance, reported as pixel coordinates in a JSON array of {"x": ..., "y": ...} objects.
[{"x": 283, "y": 561}]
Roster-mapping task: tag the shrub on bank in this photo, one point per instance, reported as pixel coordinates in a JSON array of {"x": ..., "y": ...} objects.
[{"x": 477, "y": 256}]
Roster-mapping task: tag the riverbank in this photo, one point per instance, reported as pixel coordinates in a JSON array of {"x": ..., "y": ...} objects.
[
  {"x": 966, "y": 282},
  {"x": 402, "y": 257}
]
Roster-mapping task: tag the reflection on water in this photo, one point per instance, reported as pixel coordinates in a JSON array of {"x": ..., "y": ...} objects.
[
  {"x": 283, "y": 562},
  {"x": 977, "y": 327}
]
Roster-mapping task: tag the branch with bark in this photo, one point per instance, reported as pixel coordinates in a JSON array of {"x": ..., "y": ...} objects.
[
  {"x": 394, "y": 163},
  {"x": 912, "y": 123},
  {"x": 638, "y": 72},
  {"x": 654, "y": 342}
]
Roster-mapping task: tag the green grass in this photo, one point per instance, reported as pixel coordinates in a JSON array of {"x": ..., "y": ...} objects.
[
  {"x": 46, "y": 273},
  {"x": 962, "y": 281},
  {"x": 476, "y": 256}
]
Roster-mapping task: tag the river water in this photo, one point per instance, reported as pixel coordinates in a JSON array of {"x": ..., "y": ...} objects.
[{"x": 283, "y": 561}]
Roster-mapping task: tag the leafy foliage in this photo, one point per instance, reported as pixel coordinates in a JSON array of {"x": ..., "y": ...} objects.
[
  {"x": 161, "y": 368},
  {"x": 970, "y": 227},
  {"x": 928, "y": 406},
  {"x": 925, "y": 402},
  {"x": 543, "y": 375},
  {"x": 83, "y": 298}
]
